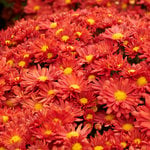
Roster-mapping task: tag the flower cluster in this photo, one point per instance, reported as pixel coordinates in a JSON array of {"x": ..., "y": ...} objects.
[{"x": 75, "y": 75}]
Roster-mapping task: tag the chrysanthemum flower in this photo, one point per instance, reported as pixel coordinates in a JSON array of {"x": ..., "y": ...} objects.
[
  {"x": 15, "y": 136},
  {"x": 35, "y": 76},
  {"x": 119, "y": 96},
  {"x": 101, "y": 118},
  {"x": 39, "y": 145},
  {"x": 69, "y": 85},
  {"x": 142, "y": 116}
]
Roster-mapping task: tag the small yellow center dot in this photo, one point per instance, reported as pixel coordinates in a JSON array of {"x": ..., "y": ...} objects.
[
  {"x": 137, "y": 141},
  {"x": 72, "y": 134},
  {"x": 44, "y": 48},
  {"x": 49, "y": 55},
  {"x": 89, "y": 58},
  {"x": 127, "y": 127},
  {"x": 51, "y": 92},
  {"x": 75, "y": 86},
  {"x": 36, "y": 8},
  {"x": 37, "y": 28},
  {"x": 91, "y": 21},
  {"x": 15, "y": 139},
  {"x": 117, "y": 36},
  {"x": 83, "y": 100},
  {"x": 56, "y": 120},
  {"x": 48, "y": 132},
  {"x": 120, "y": 95},
  {"x": 59, "y": 31},
  {"x": 65, "y": 38},
  {"x": 53, "y": 25},
  {"x": 26, "y": 55},
  {"x": 5, "y": 119},
  {"x": 17, "y": 78},
  {"x": 22, "y": 63},
  {"x": 68, "y": 70},
  {"x": 43, "y": 78},
  {"x": 77, "y": 146},
  {"x": 141, "y": 81},
  {"x": 38, "y": 106},
  {"x": 78, "y": 34},
  {"x": 89, "y": 116},
  {"x": 7, "y": 42},
  {"x": 123, "y": 144},
  {"x": 10, "y": 62},
  {"x": 131, "y": 71},
  {"x": 91, "y": 77},
  {"x": 98, "y": 148},
  {"x": 109, "y": 117},
  {"x": 136, "y": 48},
  {"x": 125, "y": 42},
  {"x": 68, "y": 1}
]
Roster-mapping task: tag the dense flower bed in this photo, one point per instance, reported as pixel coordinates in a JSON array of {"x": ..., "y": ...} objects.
[{"x": 75, "y": 75}]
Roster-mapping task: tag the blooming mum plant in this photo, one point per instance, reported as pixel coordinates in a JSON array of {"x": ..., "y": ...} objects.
[{"x": 75, "y": 75}]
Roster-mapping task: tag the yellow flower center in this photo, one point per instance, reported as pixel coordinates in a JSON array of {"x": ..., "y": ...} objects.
[
  {"x": 127, "y": 127},
  {"x": 68, "y": 70},
  {"x": 125, "y": 43},
  {"x": 5, "y": 119},
  {"x": 72, "y": 134},
  {"x": 89, "y": 116},
  {"x": 136, "y": 48},
  {"x": 141, "y": 81},
  {"x": 48, "y": 132},
  {"x": 77, "y": 146},
  {"x": 51, "y": 92},
  {"x": 49, "y": 55},
  {"x": 37, "y": 28},
  {"x": 15, "y": 139},
  {"x": 44, "y": 48},
  {"x": 131, "y": 71},
  {"x": 78, "y": 34},
  {"x": 83, "y": 100},
  {"x": 109, "y": 117},
  {"x": 75, "y": 86},
  {"x": 137, "y": 141},
  {"x": 7, "y": 42},
  {"x": 65, "y": 38},
  {"x": 10, "y": 62},
  {"x": 68, "y": 1},
  {"x": 26, "y": 55},
  {"x": 120, "y": 95},
  {"x": 56, "y": 120},
  {"x": 53, "y": 25},
  {"x": 89, "y": 58},
  {"x": 123, "y": 144},
  {"x": 38, "y": 106},
  {"x": 98, "y": 148},
  {"x": 22, "y": 63},
  {"x": 91, "y": 77},
  {"x": 124, "y": 5},
  {"x": 91, "y": 21},
  {"x": 43, "y": 78},
  {"x": 59, "y": 31},
  {"x": 36, "y": 8},
  {"x": 117, "y": 36}
]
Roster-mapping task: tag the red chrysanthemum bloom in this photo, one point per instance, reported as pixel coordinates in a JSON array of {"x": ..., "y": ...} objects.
[
  {"x": 142, "y": 116},
  {"x": 47, "y": 92},
  {"x": 35, "y": 76},
  {"x": 119, "y": 96},
  {"x": 15, "y": 135},
  {"x": 69, "y": 85},
  {"x": 101, "y": 118}
]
